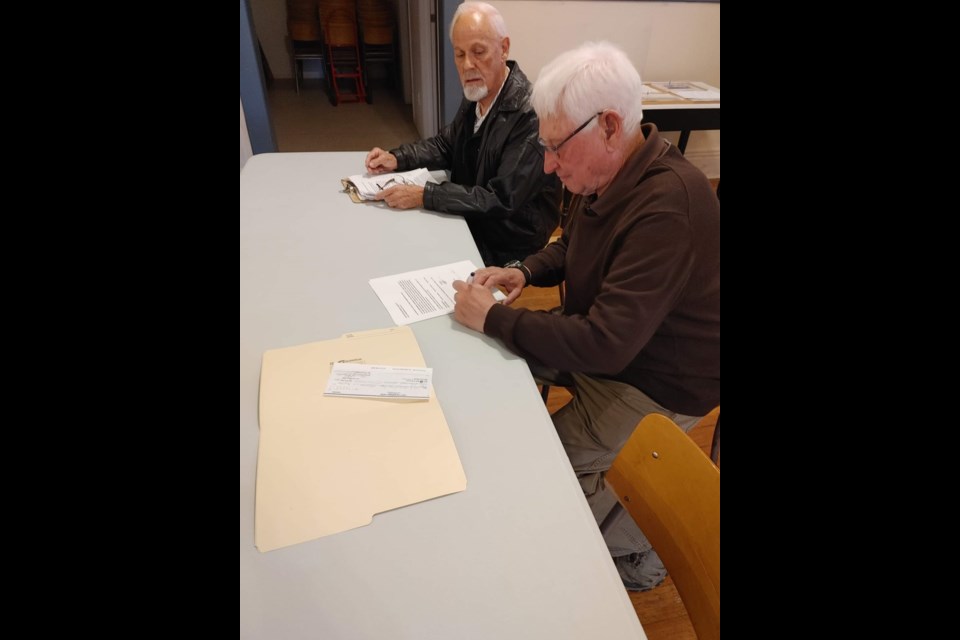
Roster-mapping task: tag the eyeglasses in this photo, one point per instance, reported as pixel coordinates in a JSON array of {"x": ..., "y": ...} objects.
[{"x": 556, "y": 149}]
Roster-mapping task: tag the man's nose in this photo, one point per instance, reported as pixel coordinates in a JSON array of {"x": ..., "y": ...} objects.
[{"x": 550, "y": 163}]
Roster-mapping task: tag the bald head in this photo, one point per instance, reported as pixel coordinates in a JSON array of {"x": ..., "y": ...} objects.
[{"x": 476, "y": 10}]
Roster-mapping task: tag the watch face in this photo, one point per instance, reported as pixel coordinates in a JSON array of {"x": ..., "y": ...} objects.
[{"x": 512, "y": 264}]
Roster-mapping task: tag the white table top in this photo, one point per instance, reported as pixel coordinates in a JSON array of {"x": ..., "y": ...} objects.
[{"x": 516, "y": 555}]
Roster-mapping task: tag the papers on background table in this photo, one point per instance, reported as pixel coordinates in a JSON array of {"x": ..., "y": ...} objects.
[
  {"x": 688, "y": 90},
  {"x": 423, "y": 294},
  {"x": 651, "y": 93},
  {"x": 367, "y": 186},
  {"x": 327, "y": 464}
]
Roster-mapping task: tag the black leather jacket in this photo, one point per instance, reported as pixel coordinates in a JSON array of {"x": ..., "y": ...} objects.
[{"x": 509, "y": 203}]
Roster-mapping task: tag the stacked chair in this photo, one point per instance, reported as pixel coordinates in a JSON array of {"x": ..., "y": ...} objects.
[
  {"x": 377, "y": 34},
  {"x": 346, "y": 36},
  {"x": 303, "y": 25},
  {"x": 339, "y": 21}
]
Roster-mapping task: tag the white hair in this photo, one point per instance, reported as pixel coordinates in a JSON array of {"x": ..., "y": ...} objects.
[
  {"x": 492, "y": 13},
  {"x": 593, "y": 77}
]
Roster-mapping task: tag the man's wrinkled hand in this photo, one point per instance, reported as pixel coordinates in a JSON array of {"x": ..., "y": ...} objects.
[
  {"x": 512, "y": 280},
  {"x": 379, "y": 161},
  {"x": 403, "y": 196},
  {"x": 472, "y": 304}
]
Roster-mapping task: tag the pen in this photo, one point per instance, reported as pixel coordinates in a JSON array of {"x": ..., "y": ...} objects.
[
  {"x": 379, "y": 186},
  {"x": 470, "y": 277}
]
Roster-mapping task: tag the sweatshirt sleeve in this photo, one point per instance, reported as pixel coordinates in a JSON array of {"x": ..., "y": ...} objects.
[{"x": 639, "y": 288}]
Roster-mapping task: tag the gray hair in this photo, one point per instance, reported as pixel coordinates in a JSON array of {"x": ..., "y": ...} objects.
[
  {"x": 493, "y": 17},
  {"x": 593, "y": 77}
]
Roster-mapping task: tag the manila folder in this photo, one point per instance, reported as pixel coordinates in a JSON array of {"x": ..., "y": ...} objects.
[{"x": 328, "y": 464}]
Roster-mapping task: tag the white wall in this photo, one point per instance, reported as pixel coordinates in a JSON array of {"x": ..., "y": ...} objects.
[
  {"x": 270, "y": 22},
  {"x": 665, "y": 40}
]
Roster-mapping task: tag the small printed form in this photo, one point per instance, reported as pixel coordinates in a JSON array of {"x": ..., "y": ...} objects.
[
  {"x": 379, "y": 381},
  {"x": 423, "y": 294}
]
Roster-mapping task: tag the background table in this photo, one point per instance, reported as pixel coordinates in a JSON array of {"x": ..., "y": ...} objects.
[
  {"x": 683, "y": 115},
  {"x": 516, "y": 555}
]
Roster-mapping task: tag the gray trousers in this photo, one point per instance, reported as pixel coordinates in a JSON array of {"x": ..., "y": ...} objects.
[{"x": 593, "y": 427}]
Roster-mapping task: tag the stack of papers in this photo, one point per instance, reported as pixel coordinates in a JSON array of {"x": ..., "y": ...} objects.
[
  {"x": 688, "y": 90},
  {"x": 366, "y": 186},
  {"x": 652, "y": 93}
]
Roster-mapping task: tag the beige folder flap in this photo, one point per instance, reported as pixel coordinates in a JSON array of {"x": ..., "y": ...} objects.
[{"x": 328, "y": 464}]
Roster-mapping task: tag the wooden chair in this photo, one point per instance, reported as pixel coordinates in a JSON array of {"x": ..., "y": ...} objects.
[
  {"x": 715, "y": 443},
  {"x": 306, "y": 44},
  {"x": 672, "y": 491}
]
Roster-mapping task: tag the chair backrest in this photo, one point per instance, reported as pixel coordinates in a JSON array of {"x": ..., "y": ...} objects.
[{"x": 672, "y": 491}]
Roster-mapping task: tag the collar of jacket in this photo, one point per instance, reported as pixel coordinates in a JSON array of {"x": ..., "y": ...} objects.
[{"x": 632, "y": 170}]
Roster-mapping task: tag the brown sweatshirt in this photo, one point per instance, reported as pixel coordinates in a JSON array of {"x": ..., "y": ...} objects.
[{"x": 642, "y": 271}]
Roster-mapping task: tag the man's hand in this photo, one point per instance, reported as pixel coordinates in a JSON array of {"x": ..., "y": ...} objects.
[
  {"x": 403, "y": 196},
  {"x": 472, "y": 304},
  {"x": 513, "y": 280},
  {"x": 380, "y": 161}
]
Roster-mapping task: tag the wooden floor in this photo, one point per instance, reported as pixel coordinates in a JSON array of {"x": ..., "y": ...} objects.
[{"x": 660, "y": 610}]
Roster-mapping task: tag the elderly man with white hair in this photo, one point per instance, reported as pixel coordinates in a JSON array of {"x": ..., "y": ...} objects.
[
  {"x": 490, "y": 149},
  {"x": 640, "y": 326}
]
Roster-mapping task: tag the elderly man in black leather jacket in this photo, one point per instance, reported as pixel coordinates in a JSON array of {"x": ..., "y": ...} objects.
[{"x": 497, "y": 182}]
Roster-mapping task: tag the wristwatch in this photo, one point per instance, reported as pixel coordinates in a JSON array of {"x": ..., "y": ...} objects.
[{"x": 516, "y": 264}]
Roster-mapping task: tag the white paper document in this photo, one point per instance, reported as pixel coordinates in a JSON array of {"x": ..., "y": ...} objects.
[
  {"x": 423, "y": 294},
  {"x": 379, "y": 381},
  {"x": 368, "y": 186}
]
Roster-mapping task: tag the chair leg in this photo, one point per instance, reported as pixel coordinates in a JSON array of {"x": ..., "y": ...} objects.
[{"x": 545, "y": 392}]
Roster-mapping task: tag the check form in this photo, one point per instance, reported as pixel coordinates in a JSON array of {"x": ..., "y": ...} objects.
[{"x": 379, "y": 381}]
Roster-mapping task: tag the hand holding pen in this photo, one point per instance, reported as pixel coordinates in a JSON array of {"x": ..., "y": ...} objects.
[
  {"x": 471, "y": 304},
  {"x": 401, "y": 196},
  {"x": 513, "y": 280}
]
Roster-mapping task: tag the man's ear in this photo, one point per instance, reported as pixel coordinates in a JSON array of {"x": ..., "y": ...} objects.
[
  {"x": 611, "y": 125},
  {"x": 505, "y": 47}
]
